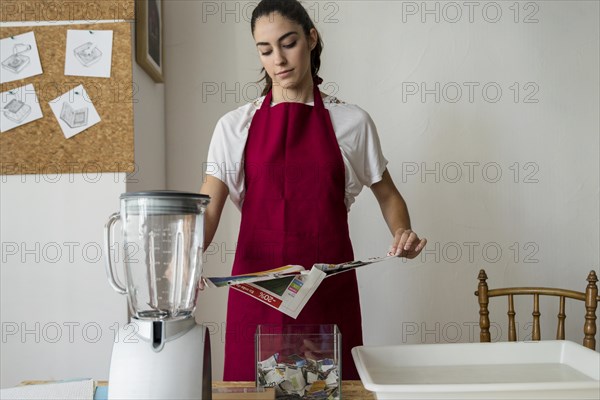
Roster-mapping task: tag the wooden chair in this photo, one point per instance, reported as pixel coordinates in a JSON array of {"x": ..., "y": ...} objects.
[{"x": 589, "y": 297}]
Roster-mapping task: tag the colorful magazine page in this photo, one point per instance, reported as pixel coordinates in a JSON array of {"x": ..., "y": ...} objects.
[
  {"x": 254, "y": 277},
  {"x": 288, "y": 294},
  {"x": 287, "y": 288},
  {"x": 332, "y": 269}
]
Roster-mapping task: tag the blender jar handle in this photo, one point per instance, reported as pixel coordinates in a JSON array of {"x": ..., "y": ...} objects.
[{"x": 112, "y": 276}]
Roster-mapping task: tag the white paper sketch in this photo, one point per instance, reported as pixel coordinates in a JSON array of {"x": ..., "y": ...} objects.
[
  {"x": 74, "y": 111},
  {"x": 19, "y": 57},
  {"x": 17, "y": 61},
  {"x": 16, "y": 110},
  {"x": 74, "y": 118},
  {"x": 88, "y": 53},
  {"x": 18, "y": 107}
]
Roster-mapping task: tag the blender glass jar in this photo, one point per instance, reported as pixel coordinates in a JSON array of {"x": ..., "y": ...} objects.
[{"x": 163, "y": 240}]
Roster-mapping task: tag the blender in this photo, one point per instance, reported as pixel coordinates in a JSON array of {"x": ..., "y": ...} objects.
[{"x": 162, "y": 353}]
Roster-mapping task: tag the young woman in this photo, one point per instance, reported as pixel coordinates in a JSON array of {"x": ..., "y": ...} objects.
[{"x": 293, "y": 161}]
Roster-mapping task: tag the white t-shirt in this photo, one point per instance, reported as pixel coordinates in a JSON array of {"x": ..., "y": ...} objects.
[{"x": 356, "y": 135}]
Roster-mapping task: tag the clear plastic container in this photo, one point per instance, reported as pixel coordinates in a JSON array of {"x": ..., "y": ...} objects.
[{"x": 300, "y": 361}]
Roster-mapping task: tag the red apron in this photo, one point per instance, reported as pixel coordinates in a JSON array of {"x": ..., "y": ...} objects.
[{"x": 293, "y": 213}]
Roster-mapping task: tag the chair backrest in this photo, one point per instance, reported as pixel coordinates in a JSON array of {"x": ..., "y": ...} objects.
[{"x": 589, "y": 297}]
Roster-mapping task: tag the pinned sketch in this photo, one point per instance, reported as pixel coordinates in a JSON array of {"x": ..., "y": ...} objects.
[
  {"x": 19, "y": 57},
  {"x": 74, "y": 111},
  {"x": 18, "y": 107},
  {"x": 74, "y": 118},
  {"x": 88, "y": 53},
  {"x": 16, "y": 110},
  {"x": 17, "y": 61}
]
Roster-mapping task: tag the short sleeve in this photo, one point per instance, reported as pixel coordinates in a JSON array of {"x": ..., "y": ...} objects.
[
  {"x": 360, "y": 146},
  {"x": 367, "y": 159},
  {"x": 226, "y": 151}
]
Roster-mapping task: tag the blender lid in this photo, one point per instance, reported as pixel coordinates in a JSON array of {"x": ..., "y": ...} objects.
[
  {"x": 167, "y": 194},
  {"x": 164, "y": 202}
]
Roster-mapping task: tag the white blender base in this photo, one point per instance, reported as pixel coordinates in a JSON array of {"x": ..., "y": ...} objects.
[{"x": 181, "y": 370}]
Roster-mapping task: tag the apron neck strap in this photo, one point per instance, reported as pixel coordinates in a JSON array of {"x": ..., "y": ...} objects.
[
  {"x": 267, "y": 101},
  {"x": 318, "y": 101}
]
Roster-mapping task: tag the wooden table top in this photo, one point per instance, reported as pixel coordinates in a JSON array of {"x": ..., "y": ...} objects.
[{"x": 351, "y": 390}]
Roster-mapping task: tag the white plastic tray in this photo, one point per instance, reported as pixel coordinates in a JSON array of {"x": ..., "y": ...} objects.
[{"x": 553, "y": 369}]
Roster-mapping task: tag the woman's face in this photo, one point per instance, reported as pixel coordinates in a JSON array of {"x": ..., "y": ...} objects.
[{"x": 284, "y": 51}]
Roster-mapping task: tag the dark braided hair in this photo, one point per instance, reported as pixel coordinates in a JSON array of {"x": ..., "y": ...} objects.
[{"x": 294, "y": 11}]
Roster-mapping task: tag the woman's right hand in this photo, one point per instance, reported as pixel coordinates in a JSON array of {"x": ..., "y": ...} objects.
[{"x": 406, "y": 243}]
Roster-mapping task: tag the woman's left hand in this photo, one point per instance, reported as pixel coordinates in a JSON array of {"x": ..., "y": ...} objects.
[{"x": 406, "y": 244}]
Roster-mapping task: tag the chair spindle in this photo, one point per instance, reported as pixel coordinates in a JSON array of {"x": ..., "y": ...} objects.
[
  {"x": 591, "y": 303},
  {"x": 512, "y": 329},
  {"x": 536, "y": 317},
  {"x": 482, "y": 295},
  {"x": 560, "y": 330}
]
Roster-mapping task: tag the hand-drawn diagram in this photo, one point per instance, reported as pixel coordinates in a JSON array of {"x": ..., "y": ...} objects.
[
  {"x": 19, "y": 106},
  {"x": 16, "y": 110},
  {"x": 88, "y": 54},
  {"x": 74, "y": 118},
  {"x": 17, "y": 61},
  {"x": 19, "y": 58}
]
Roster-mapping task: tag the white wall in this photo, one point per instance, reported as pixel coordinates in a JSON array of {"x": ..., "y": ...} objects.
[
  {"x": 541, "y": 214},
  {"x": 149, "y": 125},
  {"x": 536, "y": 223},
  {"x": 58, "y": 313}
]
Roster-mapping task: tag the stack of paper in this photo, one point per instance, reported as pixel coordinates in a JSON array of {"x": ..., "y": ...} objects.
[{"x": 75, "y": 390}]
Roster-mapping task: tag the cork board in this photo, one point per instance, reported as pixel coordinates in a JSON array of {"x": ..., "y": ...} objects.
[
  {"x": 40, "y": 147},
  {"x": 88, "y": 11}
]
